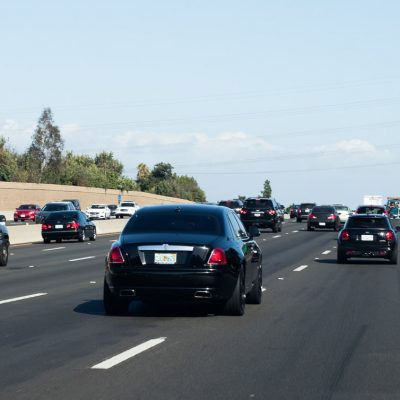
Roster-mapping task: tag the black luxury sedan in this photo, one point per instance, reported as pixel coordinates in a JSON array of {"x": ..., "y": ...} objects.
[
  {"x": 184, "y": 253},
  {"x": 60, "y": 225},
  {"x": 323, "y": 217},
  {"x": 261, "y": 212},
  {"x": 367, "y": 235},
  {"x": 4, "y": 245}
]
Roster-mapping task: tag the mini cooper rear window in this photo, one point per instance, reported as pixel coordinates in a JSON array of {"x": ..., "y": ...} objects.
[
  {"x": 177, "y": 223},
  {"x": 367, "y": 223}
]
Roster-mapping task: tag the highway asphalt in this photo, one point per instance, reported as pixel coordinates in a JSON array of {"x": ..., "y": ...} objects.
[{"x": 323, "y": 330}]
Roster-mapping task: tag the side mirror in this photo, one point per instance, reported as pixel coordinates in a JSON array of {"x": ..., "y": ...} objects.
[{"x": 254, "y": 231}]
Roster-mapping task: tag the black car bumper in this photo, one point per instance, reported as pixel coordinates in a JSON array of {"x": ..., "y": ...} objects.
[
  {"x": 54, "y": 235},
  {"x": 184, "y": 285},
  {"x": 367, "y": 251},
  {"x": 322, "y": 224}
]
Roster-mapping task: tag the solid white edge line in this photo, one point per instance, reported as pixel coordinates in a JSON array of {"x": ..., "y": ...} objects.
[
  {"x": 298, "y": 269},
  {"x": 22, "y": 298},
  {"x": 54, "y": 248},
  {"x": 119, "y": 358},
  {"x": 83, "y": 258}
]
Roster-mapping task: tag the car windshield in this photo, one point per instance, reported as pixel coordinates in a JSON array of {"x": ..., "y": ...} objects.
[
  {"x": 368, "y": 223},
  {"x": 342, "y": 208},
  {"x": 26, "y": 207},
  {"x": 127, "y": 205},
  {"x": 182, "y": 223},
  {"x": 307, "y": 205},
  {"x": 64, "y": 216},
  {"x": 258, "y": 203},
  {"x": 230, "y": 204},
  {"x": 98, "y": 206},
  {"x": 55, "y": 207}
]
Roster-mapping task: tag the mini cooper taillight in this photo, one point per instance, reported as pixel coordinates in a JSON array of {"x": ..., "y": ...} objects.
[
  {"x": 344, "y": 235},
  {"x": 389, "y": 236},
  {"x": 115, "y": 256},
  {"x": 217, "y": 257}
]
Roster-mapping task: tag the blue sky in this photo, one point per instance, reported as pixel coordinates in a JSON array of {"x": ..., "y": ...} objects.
[{"x": 305, "y": 94}]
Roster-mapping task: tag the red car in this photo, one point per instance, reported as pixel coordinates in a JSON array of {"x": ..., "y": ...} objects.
[{"x": 26, "y": 212}]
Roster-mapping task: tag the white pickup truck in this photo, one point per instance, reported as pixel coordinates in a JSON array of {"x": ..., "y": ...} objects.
[{"x": 126, "y": 209}]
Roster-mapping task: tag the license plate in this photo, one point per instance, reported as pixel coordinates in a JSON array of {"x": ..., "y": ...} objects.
[
  {"x": 59, "y": 226},
  {"x": 22, "y": 215},
  {"x": 165, "y": 258},
  {"x": 322, "y": 224},
  {"x": 367, "y": 238},
  {"x": 257, "y": 215}
]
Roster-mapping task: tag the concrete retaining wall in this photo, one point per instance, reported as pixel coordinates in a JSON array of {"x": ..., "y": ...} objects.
[{"x": 13, "y": 194}]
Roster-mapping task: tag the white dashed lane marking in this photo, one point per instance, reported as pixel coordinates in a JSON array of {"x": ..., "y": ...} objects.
[
  {"x": 277, "y": 236},
  {"x": 298, "y": 269},
  {"x": 326, "y": 252},
  {"x": 83, "y": 258},
  {"x": 30, "y": 296},
  {"x": 134, "y": 351},
  {"x": 54, "y": 248}
]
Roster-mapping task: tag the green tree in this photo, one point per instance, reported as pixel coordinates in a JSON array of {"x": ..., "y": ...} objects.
[
  {"x": 267, "y": 191},
  {"x": 8, "y": 162},
  {"x": 44, "y": 156},
  {"x": 143, "y": 176}
]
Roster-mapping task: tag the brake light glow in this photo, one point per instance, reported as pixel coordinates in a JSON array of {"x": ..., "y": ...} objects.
[
  {"x": 115, "y": 256},
  {"x": 332, "y": 216},
  {"x": 243, "y": 211},
  {"x": 217, "y": 257},
  {"x": 344, "y": 235},
  {"x": 312, "y": 216},
  {"x": 45, "y": 227},
  {"x": 271, "y": 212},
  {"x": 389, "y": 236},
  {"x": 73, "y": 225}
]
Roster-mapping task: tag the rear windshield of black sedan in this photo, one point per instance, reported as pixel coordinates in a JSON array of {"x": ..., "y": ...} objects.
[
  {"x": 62, "y": 215},
  {"x": 368, "y": 223},
  {"x": 55, "y": 207},
  {"x": 176, "y": 223},
  {"x": 323, "y": 209}
]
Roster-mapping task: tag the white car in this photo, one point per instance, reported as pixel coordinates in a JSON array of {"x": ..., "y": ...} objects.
[
  {"x": 126, "y": 209},
  {"x": 98, "y": 211},
  {"x": 343, "y": 211}
]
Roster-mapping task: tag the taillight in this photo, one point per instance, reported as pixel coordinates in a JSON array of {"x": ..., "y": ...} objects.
[
  {"x": 389, "y": 236},
  {"x": 243, "y": 211},
  {"x": 312, "y": 216},
  {"x": 344, "y": 235},
  {"x": 45, "y": 227},
  {"x": 332, "y": 216},
  {"x": 217, "y": 257},
  {"x": 73, "y": 225},
  {"x": 271, "y": 212},
  {"x": 115, "y": 256}
]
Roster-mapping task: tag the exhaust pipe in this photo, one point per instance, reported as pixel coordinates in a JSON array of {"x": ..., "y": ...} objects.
[
  {"x": 127, "y": 292},
  {"x": 202, "y": 294}
]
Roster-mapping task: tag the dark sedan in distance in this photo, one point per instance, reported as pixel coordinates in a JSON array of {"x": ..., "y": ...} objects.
[
  {"x": 184, "y": 253},
  {"x": 66, "y": 225},
  {"x": 323, "y": 217},
  {"x": 367, "y": 236}
]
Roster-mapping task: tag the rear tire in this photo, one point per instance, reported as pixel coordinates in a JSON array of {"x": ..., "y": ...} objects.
[
  {"x": 3, "y": 255},
  {"x": 82, "y": 236},
  {"x": 236, "y": 304},
  {"x": 255, "y": 294},
  {"x": 112, "y": 304},
  {"x": 341, "y": 257},
  {"x": 393, "y": 258},
  {"x": 94, "y": 236}
]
